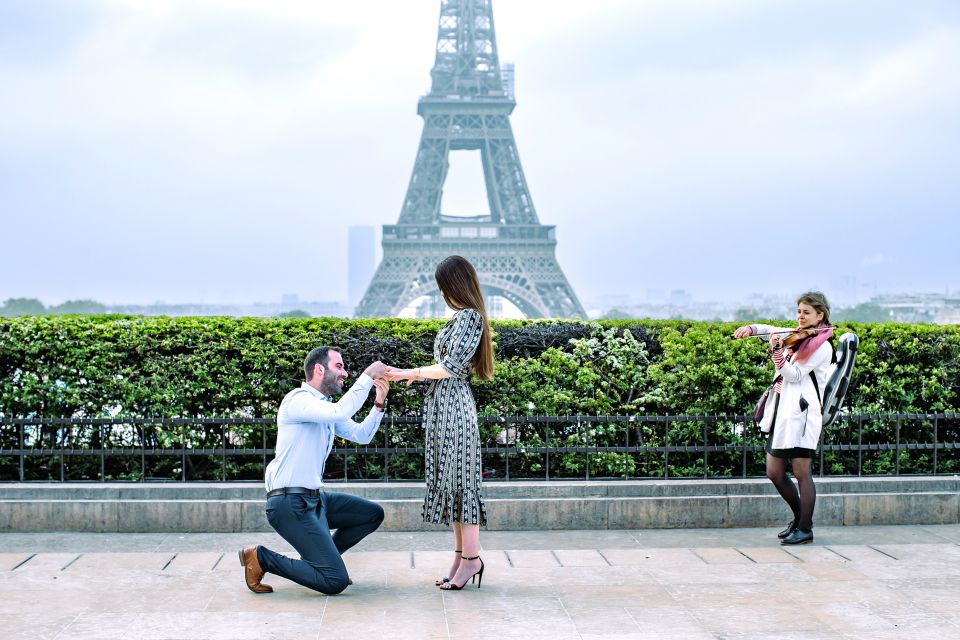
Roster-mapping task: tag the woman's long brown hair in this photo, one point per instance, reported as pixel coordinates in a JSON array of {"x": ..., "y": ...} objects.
[
  {"x": 460, "y": 287},
  {"x": 819, "y": 303}
]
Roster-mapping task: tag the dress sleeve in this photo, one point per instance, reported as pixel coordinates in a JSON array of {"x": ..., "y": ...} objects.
[{"x": 462, "y": 343}]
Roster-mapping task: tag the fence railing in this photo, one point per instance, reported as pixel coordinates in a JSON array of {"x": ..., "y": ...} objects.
[{"x": 516, "y": 447}]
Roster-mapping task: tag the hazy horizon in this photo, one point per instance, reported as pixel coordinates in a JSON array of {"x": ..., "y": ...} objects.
[{"x": 216, "y": 151}]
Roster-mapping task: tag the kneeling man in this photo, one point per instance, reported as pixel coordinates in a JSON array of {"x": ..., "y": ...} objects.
[{"x": 297, "y": 508}]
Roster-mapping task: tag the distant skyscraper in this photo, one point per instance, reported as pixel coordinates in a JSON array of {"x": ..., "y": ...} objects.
[
  {"x": 289, "y": 301},
  {"x": 361, "y": 244}
]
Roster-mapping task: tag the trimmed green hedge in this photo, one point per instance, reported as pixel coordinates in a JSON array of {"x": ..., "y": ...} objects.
[{"x": 97, "y": 366}]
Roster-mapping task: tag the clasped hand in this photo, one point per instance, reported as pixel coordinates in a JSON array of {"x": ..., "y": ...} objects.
[
  {"x": 409, "y": 375},
  {"x": 377, "y": 370}
]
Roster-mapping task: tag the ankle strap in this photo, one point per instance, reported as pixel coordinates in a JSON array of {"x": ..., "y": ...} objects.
[
  {"x": 458, "y": 550},
  {"x": 466, "y": 558}
]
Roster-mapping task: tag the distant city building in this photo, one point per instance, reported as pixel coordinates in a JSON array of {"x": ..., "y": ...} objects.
[
  {"x": 256, "y": 309},
  {"x": 919, "y": 307},
  {"x": 656, "y": 294},
  {"x": 361, "y": 261}
]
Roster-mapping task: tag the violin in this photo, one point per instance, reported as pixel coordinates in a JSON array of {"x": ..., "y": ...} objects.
[{"x": 794, "y": 337}]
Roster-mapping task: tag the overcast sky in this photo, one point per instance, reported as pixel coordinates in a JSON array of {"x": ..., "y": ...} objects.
[{"x": 217, "y": 150}]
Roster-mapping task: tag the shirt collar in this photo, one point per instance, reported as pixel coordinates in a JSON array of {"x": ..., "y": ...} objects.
[{"x": 307, "y": 387}]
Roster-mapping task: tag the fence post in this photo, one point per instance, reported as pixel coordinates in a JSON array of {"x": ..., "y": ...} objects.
[
  {"x": 626, "y": 453},
  {"x": 103, "y": 455},
  {"x": 935, "y": 427},
  {"x": 21, "y": 425},
  {"x": 506, "y": 443},
  {"x": 62, "y": 448},
  {"x": 666, "y": 453},
  {"x": 548, "y": 448},
  {"x": 859, "y": 446},
  {"x": 743, "y": 437},
  {"x": 898, "y": 445},
  {"x": 586, "y": 442},
  {"x": 183, "y": 451},
  {"x": 223, "y": 457},
  {"x": 705, "y": 444},
  {"x": 386, "y": 457}
]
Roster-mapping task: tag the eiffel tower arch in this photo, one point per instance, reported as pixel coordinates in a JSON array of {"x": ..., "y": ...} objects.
[{"x": 468, "y": 108}]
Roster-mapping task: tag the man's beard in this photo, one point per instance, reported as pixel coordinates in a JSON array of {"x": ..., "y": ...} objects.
[{"x": 330, "y": 383}]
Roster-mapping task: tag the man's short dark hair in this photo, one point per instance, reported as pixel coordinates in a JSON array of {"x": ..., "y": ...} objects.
[{"x": 319, "y": 355}]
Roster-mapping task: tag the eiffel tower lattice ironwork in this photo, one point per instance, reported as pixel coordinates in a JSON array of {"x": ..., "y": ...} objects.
[{"x": 468, "y": 108}]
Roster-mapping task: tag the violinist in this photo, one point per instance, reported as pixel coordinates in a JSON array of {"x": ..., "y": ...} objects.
[{"x": 793, "y": 418}]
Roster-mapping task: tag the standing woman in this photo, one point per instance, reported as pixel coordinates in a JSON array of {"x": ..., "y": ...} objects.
[
  {"x": 793, "y": 417},
  {"x": 453, "y": 470}
]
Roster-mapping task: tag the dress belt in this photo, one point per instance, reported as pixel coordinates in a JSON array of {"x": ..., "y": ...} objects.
[{"x": 286, "y": 490}]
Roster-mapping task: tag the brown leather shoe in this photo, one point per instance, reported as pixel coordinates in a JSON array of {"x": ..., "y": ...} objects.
[{"x": 253, "y": 574}]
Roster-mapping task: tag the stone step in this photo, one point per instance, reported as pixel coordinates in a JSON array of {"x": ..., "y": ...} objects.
[
  {"x": 233, "y": 507},
  {"x": 493, "y": 490}
]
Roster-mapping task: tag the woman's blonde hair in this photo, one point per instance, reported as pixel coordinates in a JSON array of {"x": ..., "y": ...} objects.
[{"x": 460, "y": 287}]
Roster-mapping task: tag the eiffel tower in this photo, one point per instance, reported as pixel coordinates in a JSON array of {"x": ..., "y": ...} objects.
[{"x": 468, "y": 108}]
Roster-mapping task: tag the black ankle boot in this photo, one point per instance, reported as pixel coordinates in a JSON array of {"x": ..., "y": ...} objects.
[
  {"x": 790, "y": 529},
  {"x": 799, "y": 536}
]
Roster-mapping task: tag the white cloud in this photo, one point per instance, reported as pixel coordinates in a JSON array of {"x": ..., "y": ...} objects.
[{"x": 914, "y": 76}]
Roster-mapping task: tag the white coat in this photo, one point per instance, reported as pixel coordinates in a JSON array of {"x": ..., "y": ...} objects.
[{"x": 796, "y": 427}]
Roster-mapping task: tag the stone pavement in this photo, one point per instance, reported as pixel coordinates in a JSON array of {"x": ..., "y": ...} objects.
[{"x": 670, "y": 584}]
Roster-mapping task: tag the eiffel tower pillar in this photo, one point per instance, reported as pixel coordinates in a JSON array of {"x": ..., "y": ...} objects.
[{"x": 468, "y": 108}]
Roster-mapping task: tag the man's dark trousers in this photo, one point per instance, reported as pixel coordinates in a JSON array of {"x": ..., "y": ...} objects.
[{"x": 305, "y": 522}]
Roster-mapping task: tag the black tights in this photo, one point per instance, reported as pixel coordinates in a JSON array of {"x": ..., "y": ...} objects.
[{"x": 801, "y": 503}]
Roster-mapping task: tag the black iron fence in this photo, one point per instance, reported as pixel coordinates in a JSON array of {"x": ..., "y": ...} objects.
[{"x": 516, "y": 447}]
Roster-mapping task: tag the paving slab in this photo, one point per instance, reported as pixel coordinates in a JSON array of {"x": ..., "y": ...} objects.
[
  {"x": 738, "y": 584},
  {"x": 722, "y": 555},
  {"x": 768, "y": 554},
  {"x": 9, "y": 561}
]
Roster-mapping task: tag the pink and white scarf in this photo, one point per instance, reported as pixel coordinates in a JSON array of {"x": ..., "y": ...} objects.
[{"x": 812, "y": 344}]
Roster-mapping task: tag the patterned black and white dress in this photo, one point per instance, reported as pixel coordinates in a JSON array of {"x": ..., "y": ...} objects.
[{"x": 453, "y": 470}]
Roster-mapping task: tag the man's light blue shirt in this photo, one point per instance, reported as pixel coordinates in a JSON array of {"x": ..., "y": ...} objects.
[{"x": 306, "y": 425}]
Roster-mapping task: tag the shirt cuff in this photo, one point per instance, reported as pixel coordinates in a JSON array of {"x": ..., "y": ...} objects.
[{"x": 365, "y": 380}]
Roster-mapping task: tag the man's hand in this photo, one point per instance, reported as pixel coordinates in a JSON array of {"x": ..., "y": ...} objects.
[
  {"x": 383, "y": 388},
  {"x": 376, "y": 370}
]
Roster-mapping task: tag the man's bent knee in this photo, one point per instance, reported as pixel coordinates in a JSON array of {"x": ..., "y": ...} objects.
[{"x": 335, "y": 586}]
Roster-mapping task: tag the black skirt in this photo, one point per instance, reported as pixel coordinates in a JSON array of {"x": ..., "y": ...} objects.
[{"x": 786, "y": 454}]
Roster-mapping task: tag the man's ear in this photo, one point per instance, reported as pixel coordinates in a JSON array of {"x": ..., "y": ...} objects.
[{"x": 317, "y": 371}]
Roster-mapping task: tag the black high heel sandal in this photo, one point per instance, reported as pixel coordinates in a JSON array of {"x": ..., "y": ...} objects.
[
  {"x": 441, "y": 581},
  {"x": 476, "y": 577}
]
